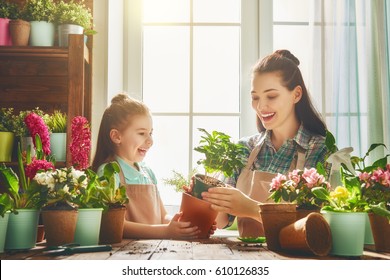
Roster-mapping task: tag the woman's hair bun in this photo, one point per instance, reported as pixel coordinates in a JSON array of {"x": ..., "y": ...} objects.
[
  {"x": 119, "y": 98},
  {"x": 289, "y": 55}
]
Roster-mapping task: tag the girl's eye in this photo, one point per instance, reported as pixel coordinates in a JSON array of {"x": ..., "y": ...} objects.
[
  {"x": 271, "y": 97},
  {"x": 255, "y": 98}
]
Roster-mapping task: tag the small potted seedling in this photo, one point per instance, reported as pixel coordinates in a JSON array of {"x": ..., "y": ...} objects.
[{"x": 221, "y": 157}]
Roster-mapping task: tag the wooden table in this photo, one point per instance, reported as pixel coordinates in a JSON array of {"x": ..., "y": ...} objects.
[{"x": 224, "y": 245}]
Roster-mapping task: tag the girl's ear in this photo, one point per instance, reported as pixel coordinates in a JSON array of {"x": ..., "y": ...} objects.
[
  {"x": 297, "y": 94},
  {"x": 115, "y": 136}
]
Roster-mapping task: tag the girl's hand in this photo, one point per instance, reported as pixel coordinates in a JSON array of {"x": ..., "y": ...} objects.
[
  {"x": 181, "y": 230},
  {"x": 213, "y": 228},
  {"x": 232, "y": 201},
  {"x": 188, "y": 189}
]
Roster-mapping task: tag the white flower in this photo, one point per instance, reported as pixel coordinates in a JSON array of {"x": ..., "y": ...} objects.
[{"x": 66, "y": 189}]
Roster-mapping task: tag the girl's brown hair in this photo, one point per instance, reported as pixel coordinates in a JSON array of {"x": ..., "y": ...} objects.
[
  {"x": 286, "y": 64},
  {"x": 116, "y": 116}
]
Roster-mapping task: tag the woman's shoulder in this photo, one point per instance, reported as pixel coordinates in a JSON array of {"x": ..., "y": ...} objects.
[{"x": 252, "y": 141}]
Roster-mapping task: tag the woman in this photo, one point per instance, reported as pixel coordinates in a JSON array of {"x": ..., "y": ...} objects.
[{"x": 291, "y": 135}]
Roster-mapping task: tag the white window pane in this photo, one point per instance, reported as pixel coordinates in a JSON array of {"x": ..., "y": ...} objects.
[
  {"x": 295, "y": 39},
  {"x": 169, "y": 152},
  {"x": 166, "y": 10},
  {"x": 228, "y": 125},
  {"x": 291, "y": 10},
  {"x": 216, "y": 10},
  {"x": 216, "y": 71},
  {"x": 166, "y": 68}
]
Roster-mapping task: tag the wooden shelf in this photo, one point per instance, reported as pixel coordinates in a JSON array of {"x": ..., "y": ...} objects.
[{"x": 51, "y": 78}]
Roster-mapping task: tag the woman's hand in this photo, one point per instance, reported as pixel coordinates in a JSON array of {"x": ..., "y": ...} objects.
[
  {"x": 213, "y": 228},
  {"x": 181, "y": 230},
  {"x": 232, "y": 201}
]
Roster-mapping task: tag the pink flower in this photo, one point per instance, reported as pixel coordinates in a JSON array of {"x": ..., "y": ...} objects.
[
  {"x": 388, "y": 167},
  {"x": 294, "y": 176},
  {"x": 312, "y": 177},
  {"x": 36, "y": 165},
  {"x": 36, "y": 125},
  {"x": 80, "y": 146},
  {"x": 364, "y": 176},
  {"x": 277, "y": 182}
]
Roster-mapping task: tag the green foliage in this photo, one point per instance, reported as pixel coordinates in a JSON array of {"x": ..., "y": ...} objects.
[
  {"x": 5, "y": 204},
  {"x": 20, "y": 128},
  {"x": 39, "y": 10},
  {"x": 73, "y": 13},
  {"x": 178, "y": 180},
  {"x": 221, "y": 155},
  {"x": 9, "y": 10},
  {"x": 89, "y": 196},
  {"x": 56, "y": 122},
  {"x": 7, "y": 120},
  {"x": 110, "y": 195}
]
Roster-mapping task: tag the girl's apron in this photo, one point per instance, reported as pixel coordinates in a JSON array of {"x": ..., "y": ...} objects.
[
  {"x": 145, "y": 205},
  {"x": 256, "y": 185}
]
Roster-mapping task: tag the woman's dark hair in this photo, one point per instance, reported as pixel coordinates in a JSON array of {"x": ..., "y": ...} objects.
[
  {"x": 286, "y": 64},
  {"x": 117, "y": 116}
]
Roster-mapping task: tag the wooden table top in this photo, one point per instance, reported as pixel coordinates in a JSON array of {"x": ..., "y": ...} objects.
[{"x": 224, "y": 245}]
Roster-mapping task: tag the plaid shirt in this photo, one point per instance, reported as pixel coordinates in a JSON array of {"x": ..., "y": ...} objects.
[{"x": 270, "y": 160}]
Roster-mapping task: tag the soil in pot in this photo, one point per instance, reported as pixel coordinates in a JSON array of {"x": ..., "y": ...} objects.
[
  {"x": 203, "y": 183},
  {"x": 199, "y": 213}
]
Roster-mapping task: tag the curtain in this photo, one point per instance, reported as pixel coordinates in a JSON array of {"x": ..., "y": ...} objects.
[{"x": 350, "y": 70}]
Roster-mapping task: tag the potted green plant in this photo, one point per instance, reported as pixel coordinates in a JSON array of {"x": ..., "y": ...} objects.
[
  {"x": 6, "y": 9},
  {"x": 222, "y": 157},
  {"x": 72, "y": 18},
  {"x": 58, "y": 191},
  {"x": 40, "y": 13},
  {"x": 90, "y": 210},
  {"x": 113, "y": 200},
  {"x": 5, "y": 207},
  {"x": 7, "y": 121},
  {"x": 19, "y": 27},
  {"x": 345, "y": 211},
  {"x": 57, "y": 123}
]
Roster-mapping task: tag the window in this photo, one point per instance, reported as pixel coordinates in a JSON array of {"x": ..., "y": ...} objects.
[{"x": 190, "y": 78}]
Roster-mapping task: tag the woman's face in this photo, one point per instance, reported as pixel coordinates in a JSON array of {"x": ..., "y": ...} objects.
[
  {"x": 274, "y": 103},
  {"x": 134, "y": 142}
]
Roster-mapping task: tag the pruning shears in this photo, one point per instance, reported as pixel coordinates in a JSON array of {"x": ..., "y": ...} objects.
[{"x": 74, "y": 248}]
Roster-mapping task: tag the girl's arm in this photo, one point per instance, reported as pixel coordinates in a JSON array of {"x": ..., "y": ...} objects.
[{"x": 173, "y": 230}]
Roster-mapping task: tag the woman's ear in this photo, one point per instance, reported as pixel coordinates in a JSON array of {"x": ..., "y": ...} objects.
[
  {"x": 297, "y": 94},
  {"x": 115, "y": 136}
]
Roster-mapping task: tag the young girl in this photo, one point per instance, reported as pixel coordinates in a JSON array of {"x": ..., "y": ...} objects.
[
  {"x": 291, "y": 135},
  {"x": 125, "y": 136}
]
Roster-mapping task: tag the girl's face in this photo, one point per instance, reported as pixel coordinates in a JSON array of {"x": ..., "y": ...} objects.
[
  {"x": 274, "y": 103},
  {"x": 134, "y": 142}
]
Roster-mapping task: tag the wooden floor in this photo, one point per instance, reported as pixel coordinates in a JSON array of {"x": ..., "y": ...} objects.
[{"x": 222, "y": 246}]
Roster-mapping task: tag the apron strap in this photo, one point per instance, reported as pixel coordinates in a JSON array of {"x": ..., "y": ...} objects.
[
  {"x": 255, "y": 152},
  {"x": 301, "y": 158}
]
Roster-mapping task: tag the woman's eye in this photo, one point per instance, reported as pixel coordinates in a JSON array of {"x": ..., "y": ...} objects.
[{"x": 271, "y": 97}]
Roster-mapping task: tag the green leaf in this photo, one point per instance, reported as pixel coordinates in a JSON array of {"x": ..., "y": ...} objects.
[
  {"x": 320, "y": 193},
  {"x": 381, "y": 210},
  {"x": 320, "y": 169},
  {"x": 374, "y": 146},
  {"x": 330, "y": 142},
  {"x": 9, "y": 180},
  {"x": 381, "y": 162}
]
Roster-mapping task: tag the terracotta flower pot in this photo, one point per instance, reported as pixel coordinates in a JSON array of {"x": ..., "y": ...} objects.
[
  {"x": 111, "y": 227},
  {"x": 381, "y": 231},
  {"x": 20, "y": 32},
  {"x": 201, "y": 186},
  {"x": 199, "y": 213},
  {"x": 308, "y": 235},
  {"x": 276, "y": 216},
  {"x": 60, "y": 226},
  {"x": 302, "y": 213},
  {"x": 40, "y": 233}
]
